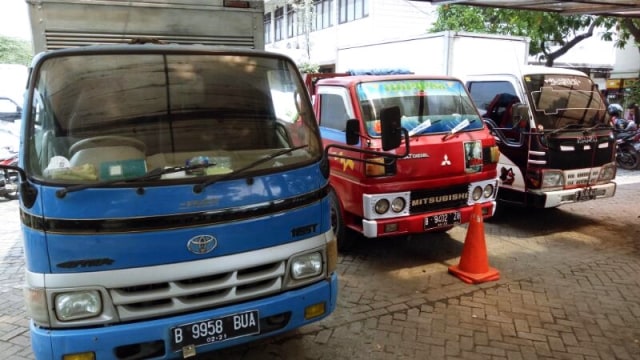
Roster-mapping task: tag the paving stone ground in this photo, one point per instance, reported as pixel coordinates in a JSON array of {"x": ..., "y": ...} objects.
[{"x": 569, "y": 288}]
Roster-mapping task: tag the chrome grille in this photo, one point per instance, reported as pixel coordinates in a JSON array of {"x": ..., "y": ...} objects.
[
  {"x": 208, "y": 290},
  {"x": 581, "y": 177}
]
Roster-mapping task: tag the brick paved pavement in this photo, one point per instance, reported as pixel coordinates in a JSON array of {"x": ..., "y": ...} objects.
[{"x": 569, "y": 289}]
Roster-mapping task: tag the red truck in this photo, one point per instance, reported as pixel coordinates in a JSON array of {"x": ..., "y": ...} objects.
[{"x": 450, "y": 162}]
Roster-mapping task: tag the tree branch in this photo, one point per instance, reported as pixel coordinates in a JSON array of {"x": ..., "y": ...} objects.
[{"x": 551, "y": 57}]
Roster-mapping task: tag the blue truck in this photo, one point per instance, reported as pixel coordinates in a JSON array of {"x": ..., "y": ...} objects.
[{"x": 173, "y": 183}]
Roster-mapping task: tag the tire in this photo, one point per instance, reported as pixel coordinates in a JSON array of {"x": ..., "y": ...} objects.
[
  {"x": 627, "y": 159},
  {"x": 344, "y": 237}
]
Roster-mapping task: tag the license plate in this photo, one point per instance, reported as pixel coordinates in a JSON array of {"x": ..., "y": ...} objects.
[
  {"x": 215, "y": 330},
  {"x": 442, "y": 220},
  {"x": 586, "y": 194}
]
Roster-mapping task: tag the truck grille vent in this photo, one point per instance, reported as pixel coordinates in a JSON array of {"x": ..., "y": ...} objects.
[
  {"x": 581, "y": 177},
  {"x": 63, "y": 40},
  {"x": 207, "y": 291},
  {"x": 439, "y": 199}
]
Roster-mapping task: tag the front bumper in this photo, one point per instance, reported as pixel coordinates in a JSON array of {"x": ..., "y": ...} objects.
[
  {"x": 415, "y": 224},
  {"x": 108, "y": 342},
  {"x": 556, "y": 198}
]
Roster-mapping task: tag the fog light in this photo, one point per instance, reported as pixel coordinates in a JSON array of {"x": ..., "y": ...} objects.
[
  {"x": 391, "y": 227},
  {"x": 314, "y": 311}
]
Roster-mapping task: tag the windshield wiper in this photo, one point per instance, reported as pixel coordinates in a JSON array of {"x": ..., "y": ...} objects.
[
  {"x": 598, "y": 126},
  {"x": 457, "y": 128},
  {"x": 422, "y": 126},
  {"x": 199, "y": 187},
  {"x": 153, "y": 174},
  {"x": 566, "y": 127}
]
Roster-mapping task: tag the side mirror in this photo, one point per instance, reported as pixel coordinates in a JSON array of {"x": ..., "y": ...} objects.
[
  {"x": 391, "y": 127},
  {"x": 353, "y": 132},
  {"x": 519, "y": 114}
]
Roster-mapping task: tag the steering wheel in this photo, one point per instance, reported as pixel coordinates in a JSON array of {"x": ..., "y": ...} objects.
[{"x": 108, "y": 140}]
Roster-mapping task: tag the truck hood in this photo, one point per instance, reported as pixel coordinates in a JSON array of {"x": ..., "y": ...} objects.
[
  {"x": 109, "y": 228},
  {"x": 431, "y": 157}
]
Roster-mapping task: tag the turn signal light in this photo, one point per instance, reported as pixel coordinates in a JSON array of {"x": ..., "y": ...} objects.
[
  {"x": 313, "y": 311},
  {"x": 80, "y": 356}
]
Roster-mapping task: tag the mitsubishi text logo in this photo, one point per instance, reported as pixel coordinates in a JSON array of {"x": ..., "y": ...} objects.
[{"x": 446, "y": 161}]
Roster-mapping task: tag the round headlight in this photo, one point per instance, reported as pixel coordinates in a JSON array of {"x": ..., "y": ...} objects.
[
  {"x": 398, "y": 204},
  {"x": 382, "y": 206},
  {"x": 488, "y": 190},
  {"x": 477, "y": 193}
]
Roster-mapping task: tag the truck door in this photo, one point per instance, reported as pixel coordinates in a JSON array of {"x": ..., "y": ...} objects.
[
  {"x": 495, "y": 99},
  {"x": 333, "y": 109}
]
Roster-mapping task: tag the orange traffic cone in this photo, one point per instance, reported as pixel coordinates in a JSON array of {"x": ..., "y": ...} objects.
[{"x": 474, "y": 263}]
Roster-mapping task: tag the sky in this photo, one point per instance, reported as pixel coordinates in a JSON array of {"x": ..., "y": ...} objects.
[{"x": 14, "y": 19}]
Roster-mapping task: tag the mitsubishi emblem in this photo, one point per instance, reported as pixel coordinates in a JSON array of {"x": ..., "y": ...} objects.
[{"x": 446, "y": 161}]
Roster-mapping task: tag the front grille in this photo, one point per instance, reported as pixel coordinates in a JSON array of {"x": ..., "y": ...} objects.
[
  {"x": 581, "y": 177},
  {"x": 439, "y": 199},
  {"x": 204, "y": 291}
]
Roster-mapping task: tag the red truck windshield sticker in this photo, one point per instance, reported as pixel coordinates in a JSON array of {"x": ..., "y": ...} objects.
[
  {"x": 386, "y": 89},
  {"x": 473, "y": 156}
]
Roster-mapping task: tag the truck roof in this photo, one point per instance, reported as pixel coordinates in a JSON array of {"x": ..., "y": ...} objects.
[
  {"x": 534, "y": 69},
  {"x": 352, "y": 80}
]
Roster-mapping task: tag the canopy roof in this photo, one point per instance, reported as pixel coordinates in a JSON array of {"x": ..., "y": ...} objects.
[{"x": 622, "y": 8}]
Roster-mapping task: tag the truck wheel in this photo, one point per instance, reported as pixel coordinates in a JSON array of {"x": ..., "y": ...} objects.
[{"x": 344, "y": 237}]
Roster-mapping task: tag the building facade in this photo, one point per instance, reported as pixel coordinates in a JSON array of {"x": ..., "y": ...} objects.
[
  {"x": 312, "y": 31},
  {"x": 314, "y": 36}
]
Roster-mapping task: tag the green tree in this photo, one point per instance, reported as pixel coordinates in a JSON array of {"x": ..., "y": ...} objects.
[
  {"x": 14, "y": 51},
  {"x": 551, "y": 34}
]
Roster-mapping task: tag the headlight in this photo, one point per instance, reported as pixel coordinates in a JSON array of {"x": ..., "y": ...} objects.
[
  {"x": 398, "y": 204},
  {"x": 488, "y": 190},
  {"x": 552, "y": 179},
  {"x": 382, "y": 206},
  {"x": 78, "y": 305},
  {"x": 306, "y": 265},
  {"x": 477, "y": 193},
  {"x": 608, "y": 172}
]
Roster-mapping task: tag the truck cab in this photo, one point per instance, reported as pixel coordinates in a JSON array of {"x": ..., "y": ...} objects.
[
  {"x": 556, "y": 146},
  {"x": 448, "y": 165}
]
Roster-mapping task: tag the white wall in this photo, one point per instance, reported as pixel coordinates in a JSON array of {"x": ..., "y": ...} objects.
[{"x": 627, "y": 62}]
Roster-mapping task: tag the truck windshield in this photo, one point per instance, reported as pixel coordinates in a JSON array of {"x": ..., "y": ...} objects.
[
  {"x": 99, "y": 118},
  {"x": 427, "y": 106},
  {"x": 559, "y": 101}
]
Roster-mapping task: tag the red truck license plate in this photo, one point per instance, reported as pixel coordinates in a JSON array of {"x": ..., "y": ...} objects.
[
  {"x": 441, "y": 220},
  {"x": 586, "y": 194},
  {"x": 215, "y": 330}
]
